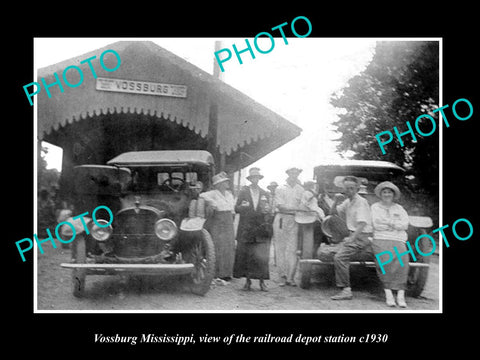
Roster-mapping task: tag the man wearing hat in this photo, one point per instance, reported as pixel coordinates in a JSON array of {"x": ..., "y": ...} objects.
[
  {"x": 254, "y": 232},
  {"x": 272, "y": 188},
  {"x": 356, "y": 213},
  {"x": 285, "y": 229}
]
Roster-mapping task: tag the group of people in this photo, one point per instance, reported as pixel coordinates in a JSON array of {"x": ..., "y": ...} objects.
[
  {"x": 372, "y": 229},
  {"x": 249, "y": 258},
  {"x": 266, "y": 216}
]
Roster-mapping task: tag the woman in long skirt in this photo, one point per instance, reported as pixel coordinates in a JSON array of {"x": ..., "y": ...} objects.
[
  {"x": 390, "y": 222},
  {"x": 253, "y": 234},
  {"x": 220, "y": 226}
]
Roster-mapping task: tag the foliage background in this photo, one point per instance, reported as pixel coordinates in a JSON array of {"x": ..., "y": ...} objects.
[{"x": 400, "y": 83}]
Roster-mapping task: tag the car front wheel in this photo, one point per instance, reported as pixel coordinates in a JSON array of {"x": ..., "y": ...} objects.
[{"x": 202, "y": 255}]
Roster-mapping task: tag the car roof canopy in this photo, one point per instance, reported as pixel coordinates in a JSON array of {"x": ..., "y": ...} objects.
[
  {"x": 162, "y": 157},
  {"x": 361, "y": 168}
]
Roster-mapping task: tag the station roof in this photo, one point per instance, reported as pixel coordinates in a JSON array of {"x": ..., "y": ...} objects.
[{"x": 241, "y": 120}]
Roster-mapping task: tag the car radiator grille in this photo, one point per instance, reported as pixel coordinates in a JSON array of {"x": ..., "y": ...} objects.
[{"x": 134, "y": 234}]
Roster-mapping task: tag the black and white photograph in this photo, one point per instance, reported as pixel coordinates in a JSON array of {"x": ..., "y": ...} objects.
[
  {"x": 172, "y": 178},
  {"x": 299, "y": 181}
]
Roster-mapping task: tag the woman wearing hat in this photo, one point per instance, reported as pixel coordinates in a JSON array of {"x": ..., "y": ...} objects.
[
  {"x": 390, "y": 222},
  {"x": 254, "y": 233},
  {"x": 219, "y": 224}
]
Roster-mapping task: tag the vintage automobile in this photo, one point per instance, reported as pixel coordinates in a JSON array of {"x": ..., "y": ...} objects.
[
  {"x": 157, "y": 226},
  {"x": 328, "y": 177}
]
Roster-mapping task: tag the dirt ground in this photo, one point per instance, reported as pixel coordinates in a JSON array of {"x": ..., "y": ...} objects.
[{"x": 153, "y": 293}]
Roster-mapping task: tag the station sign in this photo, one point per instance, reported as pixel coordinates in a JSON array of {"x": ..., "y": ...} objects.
[{"x": 141, "y": 87}]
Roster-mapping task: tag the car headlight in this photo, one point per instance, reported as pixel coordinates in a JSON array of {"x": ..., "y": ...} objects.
[
  {"x": 165, "y": 229},
  {"x": 101, "y": 233}
]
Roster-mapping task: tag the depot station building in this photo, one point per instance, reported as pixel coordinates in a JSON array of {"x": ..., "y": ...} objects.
[{"x": 154, "y": 101}]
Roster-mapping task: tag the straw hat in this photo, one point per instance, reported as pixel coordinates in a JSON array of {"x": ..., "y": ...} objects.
[
  {"x": 220, "y": 177},
  {"x": 305, "y": 217},
  {"x": 387, "y": 185},
  {"x": 272, "y": 185},
  {"x": 254, "y": 172},
  {"x": 293, "y": 169},
  {"x": 334, "y": 227}
]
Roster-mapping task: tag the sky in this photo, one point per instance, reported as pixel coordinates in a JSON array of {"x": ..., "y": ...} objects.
[{"x": 295, "y": 80}]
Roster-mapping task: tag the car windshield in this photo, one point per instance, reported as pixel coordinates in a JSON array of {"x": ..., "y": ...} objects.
[
  {"x": 331, "y": 182},
  {"x": 164, "y": 179}
]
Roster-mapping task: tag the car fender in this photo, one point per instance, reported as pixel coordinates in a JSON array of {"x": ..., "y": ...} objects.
[
  {"x": 422, "y": 222},
  {"x": 79, "y": 224}
]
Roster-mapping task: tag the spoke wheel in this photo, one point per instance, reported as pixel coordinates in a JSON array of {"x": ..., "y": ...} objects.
[{"x": 202, "y": 256}]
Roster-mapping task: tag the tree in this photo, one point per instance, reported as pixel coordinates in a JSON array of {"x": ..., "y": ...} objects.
[
  {"x": 47, "y": 179},
  {"x": 400, "y": 83}
]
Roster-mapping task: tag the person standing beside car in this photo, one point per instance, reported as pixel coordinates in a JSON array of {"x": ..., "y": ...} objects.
[
  {"x": 309, "y": 200},
  {"x": 390, "y": 224},
  {"x": 220, "y": 211},
  {"x": 285, "y": 229},
  {"x": 254, "y": 233},
  {"x": 272, "y": 187},
  {"x": 325, "y": 200}
]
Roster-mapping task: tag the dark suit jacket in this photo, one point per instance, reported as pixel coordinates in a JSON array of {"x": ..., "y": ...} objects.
[{"x": 254, "y": 224}]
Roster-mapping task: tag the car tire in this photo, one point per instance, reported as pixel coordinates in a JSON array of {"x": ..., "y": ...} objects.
[
  {"x": 79, "y": 275},
  {"x": 202, "y": 255}
]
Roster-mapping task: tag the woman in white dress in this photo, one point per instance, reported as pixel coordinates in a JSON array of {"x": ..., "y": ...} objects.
[
  {"x": 221, "y": 209},
  {"x": 390, "y": 224}
]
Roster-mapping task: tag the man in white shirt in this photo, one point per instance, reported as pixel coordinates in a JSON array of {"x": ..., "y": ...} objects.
[
  {"x": 285, "y": 229},
  {"x": 356, "y": 213}
]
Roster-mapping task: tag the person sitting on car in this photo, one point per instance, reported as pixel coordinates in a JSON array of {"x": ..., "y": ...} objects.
[
  {"x": 390, "y": 222},
  {"x": 356, "y": 213}
]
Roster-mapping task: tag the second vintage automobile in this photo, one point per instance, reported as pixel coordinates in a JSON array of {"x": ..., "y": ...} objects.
[
  {"x": 158, "y": 219},
  {"x": 370, "y": 172}
]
